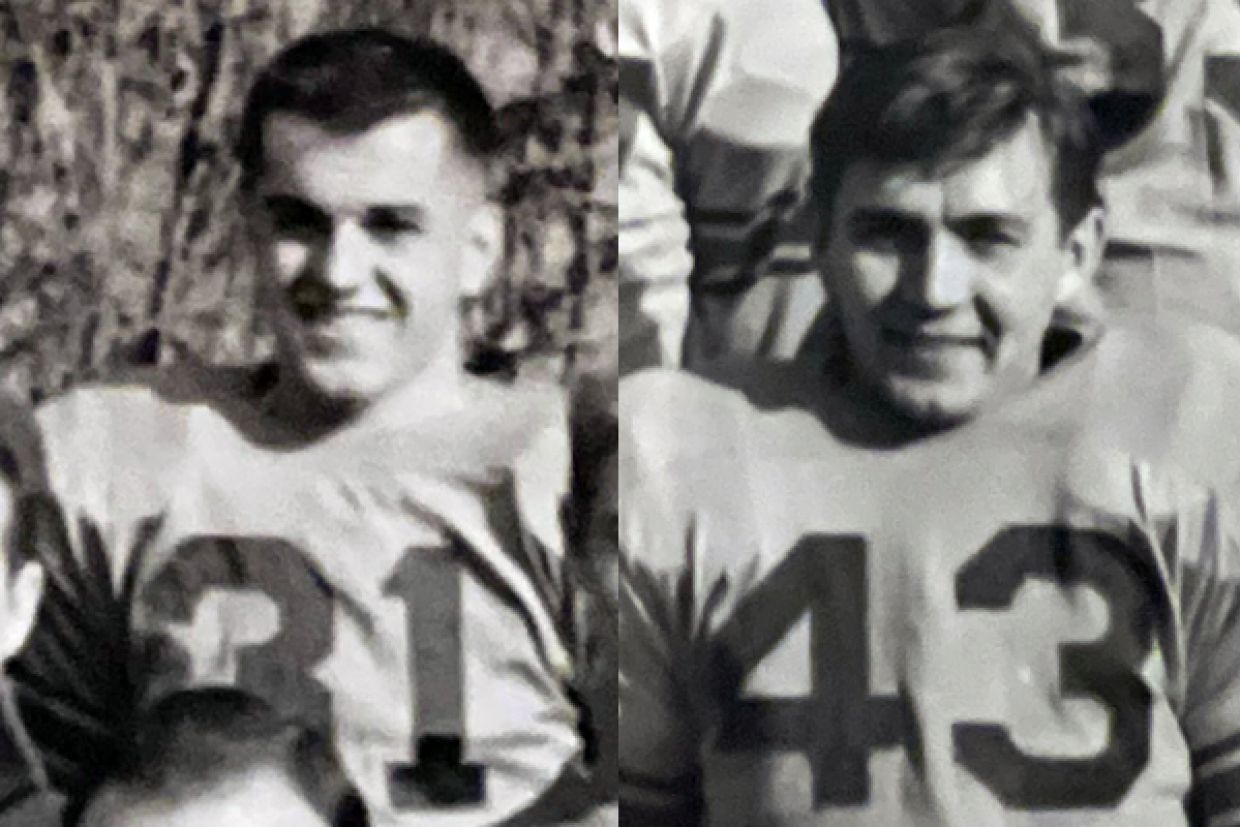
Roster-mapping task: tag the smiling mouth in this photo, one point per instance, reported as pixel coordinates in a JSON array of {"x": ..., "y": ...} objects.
[
  {"x": 920, "y": 340},
  {"x": 327, "y": 315}
]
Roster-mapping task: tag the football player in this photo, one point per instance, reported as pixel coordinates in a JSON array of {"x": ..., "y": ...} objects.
[
  {"x": 973, "y": 567},
  {"x": 1165, "y": 80},
  {"x": 718, "y": 94},
  {"x": 211, "y": 757},
  {"x": 360, "y": 532}
]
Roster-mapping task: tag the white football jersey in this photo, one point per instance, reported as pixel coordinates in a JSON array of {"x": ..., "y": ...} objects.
[
  {"x": 401, "y": 588},
  {"x": 1027, "y": 620}
]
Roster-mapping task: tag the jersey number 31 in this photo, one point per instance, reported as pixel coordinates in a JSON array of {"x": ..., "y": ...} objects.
[{"x": 282, "y": 667}]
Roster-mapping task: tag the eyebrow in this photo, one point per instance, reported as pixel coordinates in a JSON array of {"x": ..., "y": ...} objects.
[
  {"x": 990, "y": 221},
  {"x": 867, "y": 215},
  {"x": 291, "y": 204},
  {"x": 296, "y": 205},
  {"x": 878, "y": 215},
  {"x": 410, "y": 210}
]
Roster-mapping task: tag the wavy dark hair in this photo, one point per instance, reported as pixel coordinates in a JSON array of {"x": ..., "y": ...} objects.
[{"x": 945, "y": 99}]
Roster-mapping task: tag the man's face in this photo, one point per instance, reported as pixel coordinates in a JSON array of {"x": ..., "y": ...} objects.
[
  {"x": 945, "y": 284},
  {"x": 263, "y": 798},
  {"x": 365, "y": 244}
]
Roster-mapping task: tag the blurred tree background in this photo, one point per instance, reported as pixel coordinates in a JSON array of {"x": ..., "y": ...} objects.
[{"x": 120, "y": 239}]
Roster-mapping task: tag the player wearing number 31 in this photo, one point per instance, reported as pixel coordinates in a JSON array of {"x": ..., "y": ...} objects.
[
  {"x": 360, "y": 532},
  {"x": 977, "y": 567}
]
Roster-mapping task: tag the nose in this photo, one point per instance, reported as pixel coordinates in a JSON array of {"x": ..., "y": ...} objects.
[
  {"x": 941, "y": 277},
  {"x": 345, "y": 260}
]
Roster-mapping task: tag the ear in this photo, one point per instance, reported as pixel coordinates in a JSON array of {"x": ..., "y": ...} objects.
[
  {"x": 258, "y": 233},
  {"x": 253, "y": 224},
  {"x": 1082, "y": 252},
  {"x": 483, "y": 241},
  {"x": 255, "y": 235},
  {"x": 25, "y": 592}
]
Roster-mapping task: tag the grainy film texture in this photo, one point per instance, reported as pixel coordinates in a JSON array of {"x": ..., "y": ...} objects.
[{"x": 120, "y": 239}]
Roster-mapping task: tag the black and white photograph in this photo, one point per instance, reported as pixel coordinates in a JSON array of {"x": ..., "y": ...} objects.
[
  {"x": 307, "y": 336},
  {"x": 930, "y": 417},
  {"x": 567, "y": 413}
]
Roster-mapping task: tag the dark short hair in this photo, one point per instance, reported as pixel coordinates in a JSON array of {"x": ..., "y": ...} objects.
[
  {"x": 195, "y": 739},
  {"x": 351, "y": 79},
  {"x": 946, "y": 98}
]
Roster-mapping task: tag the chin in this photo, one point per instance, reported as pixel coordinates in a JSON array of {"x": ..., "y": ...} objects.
[
  {"x": 930, "y": 406},
  {"x": 343, "y": 384}
]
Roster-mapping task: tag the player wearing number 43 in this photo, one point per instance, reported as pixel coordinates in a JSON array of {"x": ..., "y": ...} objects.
[
  {"x": 978, "y": 567},
  {"x": 362, "y": 533}
]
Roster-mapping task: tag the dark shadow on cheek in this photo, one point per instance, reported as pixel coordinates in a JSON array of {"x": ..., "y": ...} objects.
[
  {"x": 992, "y": 328},
  {"x": 395, "y": 296},
  {"x": 895, "y": 310},
  {"x": 310, "y": 298}
]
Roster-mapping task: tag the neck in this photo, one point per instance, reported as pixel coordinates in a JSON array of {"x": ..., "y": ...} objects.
[
  {"x": 435, "y": 390},
  {"x": 304, "y": 410}
]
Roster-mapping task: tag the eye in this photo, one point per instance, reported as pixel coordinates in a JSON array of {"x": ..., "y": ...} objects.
[
  {"x": 391, "y": 224},
  {"x": 294, "y": 218},
  {"x": 988, "y": 237},
  {"x": 886, "y": 233}
]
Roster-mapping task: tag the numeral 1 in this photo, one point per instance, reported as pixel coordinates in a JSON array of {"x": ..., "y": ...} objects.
[{"x": 428, "y": 582}]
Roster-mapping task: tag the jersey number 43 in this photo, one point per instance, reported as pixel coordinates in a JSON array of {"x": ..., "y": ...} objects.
[{"x": 842, "y": 721}]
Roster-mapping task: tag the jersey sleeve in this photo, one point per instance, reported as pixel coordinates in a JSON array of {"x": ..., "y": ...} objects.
[
  {"x": 541, "y": 486},
  {"x": 584, "y": 794},
  {"x": 25, "y": 795},
  {"x": 72, "y": 679},
  {"x": 658, "y": 735},
  {"x": 1208, "y": 540}
]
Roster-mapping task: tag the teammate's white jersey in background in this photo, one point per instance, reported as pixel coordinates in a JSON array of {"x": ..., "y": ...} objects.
[{"x": 717, "y": 96}]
